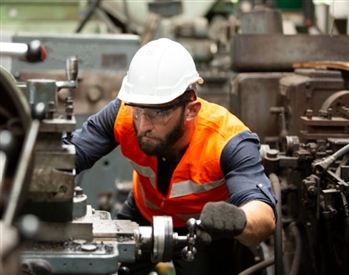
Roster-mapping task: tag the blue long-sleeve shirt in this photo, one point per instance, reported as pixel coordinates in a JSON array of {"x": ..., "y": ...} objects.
[{"x": 240, "y": 160}]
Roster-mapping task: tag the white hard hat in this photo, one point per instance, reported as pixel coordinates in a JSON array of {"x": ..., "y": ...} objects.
[{"x": 159, "y": 72}]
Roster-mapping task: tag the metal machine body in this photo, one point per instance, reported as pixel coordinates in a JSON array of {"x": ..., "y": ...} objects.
[
  {"x": 300, "y": 115},
  {"x": 102, "y": 66},
  {"x": 312, "y": 171}
]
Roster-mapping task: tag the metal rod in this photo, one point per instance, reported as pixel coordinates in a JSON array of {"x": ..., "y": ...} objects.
[
  {"x": 13, "y": 49},
  {"x": 19, "y": 182},
  {"x": 278, "y": 231},
  {"x": 89, "y": 13}
]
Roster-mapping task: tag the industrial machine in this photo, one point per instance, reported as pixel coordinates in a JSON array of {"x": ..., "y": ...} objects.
[
  {"x": 293, "y": 92},
  {"x": 310, "y": 172}
]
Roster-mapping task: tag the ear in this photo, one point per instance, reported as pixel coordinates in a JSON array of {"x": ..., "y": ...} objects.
[{"x": 193, "y": 109}]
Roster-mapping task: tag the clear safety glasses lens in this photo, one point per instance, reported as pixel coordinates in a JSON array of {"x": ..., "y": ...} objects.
[{"x": 156, "y": 115}]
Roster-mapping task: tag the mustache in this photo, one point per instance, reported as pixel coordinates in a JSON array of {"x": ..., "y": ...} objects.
[{"x": 146, "y": 134}]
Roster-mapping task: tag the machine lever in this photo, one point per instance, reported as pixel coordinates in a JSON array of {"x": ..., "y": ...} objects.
[
  {"x": 189, "y": 251},
  {"x": 32, "y": 52}
]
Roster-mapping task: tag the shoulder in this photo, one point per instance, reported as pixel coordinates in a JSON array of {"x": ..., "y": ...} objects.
[{"x": 218, "y": 118}]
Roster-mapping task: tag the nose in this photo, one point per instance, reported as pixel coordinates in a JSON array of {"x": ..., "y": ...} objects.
[{"x": 144, "y": 124}]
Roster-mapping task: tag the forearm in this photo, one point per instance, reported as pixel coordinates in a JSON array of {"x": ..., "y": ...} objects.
[
  {"x": 260, "y": 223},
  {"x": 96, "y": 137}
]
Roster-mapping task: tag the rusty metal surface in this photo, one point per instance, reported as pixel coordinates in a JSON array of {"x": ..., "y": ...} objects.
[
  {"x": 57, "y": 125},
  {"x": 95, "y": 89},
  {"x": 51, "y": 185},
  {"x": 340, "y": 65},
  {"x": 308, "y": 89},
  {"x": 253, "y": 94},
  {"x": 216, "y": 88},
  {"x": 262, "y": 21},
  {"x": 54, "y": 159},
  {"x": 321, "y": 127},
  {"x": 277, "y": 52}
]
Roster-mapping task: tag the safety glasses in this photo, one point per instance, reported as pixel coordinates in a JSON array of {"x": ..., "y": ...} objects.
[{"x": 156, "y": 115}]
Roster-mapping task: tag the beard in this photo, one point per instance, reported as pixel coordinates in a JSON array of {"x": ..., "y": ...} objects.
[{"x": 156, "y": 146}]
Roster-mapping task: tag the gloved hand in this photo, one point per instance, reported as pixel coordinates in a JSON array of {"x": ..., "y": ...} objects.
[{"x": 220, "y": 220}]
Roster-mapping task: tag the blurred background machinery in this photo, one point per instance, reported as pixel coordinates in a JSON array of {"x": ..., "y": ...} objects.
[{"x": 280, "y": 66}]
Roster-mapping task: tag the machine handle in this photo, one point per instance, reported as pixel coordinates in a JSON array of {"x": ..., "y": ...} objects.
[
  {"x": 32, "y": 52},
  {"x": 189, "y": 251}
]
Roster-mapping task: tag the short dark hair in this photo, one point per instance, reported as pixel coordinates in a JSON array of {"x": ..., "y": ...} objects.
[{"x": 189, "y": 93}]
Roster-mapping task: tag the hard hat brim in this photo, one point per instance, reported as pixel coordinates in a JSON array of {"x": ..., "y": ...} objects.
[{"x": 126, "y": 96}]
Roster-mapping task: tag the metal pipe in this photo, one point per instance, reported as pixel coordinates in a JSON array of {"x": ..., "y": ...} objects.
[
  {"x": 258, "y": 267},
  {"x": 278, "y": 230},
  {"x": 13, "y": 49},
  {"x": 89, "y": 13},
  {"x": 298, "y": 250},
  {"x": 344, "y": 198},
  {"x": 21, "y": 179},
  {"x": 128, "y": 19},
  {"x": 323, "y": 165}
]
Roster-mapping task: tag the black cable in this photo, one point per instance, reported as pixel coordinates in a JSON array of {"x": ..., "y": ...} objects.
[{"x": 258, "y": 267}]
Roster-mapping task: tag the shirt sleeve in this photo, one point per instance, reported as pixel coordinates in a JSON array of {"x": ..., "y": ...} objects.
[
  {"x": 96, "y": 138},
  {"x": 244, "y": 172}
]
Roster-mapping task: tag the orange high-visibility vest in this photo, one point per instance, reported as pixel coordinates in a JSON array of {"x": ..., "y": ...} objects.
[{"x": 198, "y": 177}]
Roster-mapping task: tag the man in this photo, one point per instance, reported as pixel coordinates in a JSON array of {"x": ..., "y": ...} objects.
[{"x": 191, "y": 158}]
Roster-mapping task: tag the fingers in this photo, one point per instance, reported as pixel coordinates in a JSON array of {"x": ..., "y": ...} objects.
[{"x": 203, "y": 237}]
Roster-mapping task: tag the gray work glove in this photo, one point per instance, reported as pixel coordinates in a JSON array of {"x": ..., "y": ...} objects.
[{"x": 220, "y": 220}]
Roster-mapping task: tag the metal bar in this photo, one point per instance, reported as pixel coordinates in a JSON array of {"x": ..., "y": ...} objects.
[
  {"x": 21, "y": 178},
  {"x": 89, "y": 13},
  {"x": 13, "y": 49},
  {"x": 276, "y": 52}
]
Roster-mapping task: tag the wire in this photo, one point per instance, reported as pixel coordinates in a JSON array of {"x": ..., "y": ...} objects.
[{"x": 258, "y": 267}]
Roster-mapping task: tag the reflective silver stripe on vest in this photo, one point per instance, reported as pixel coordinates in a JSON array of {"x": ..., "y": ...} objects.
[
  {"x": 147, "y": 203},
  {"x": 189, "y": 187},
  {"x": 145, "y": 171}
]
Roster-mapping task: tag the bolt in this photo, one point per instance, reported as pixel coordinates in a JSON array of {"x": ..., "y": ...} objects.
[
  {"x": 312, "y": 190},
  {"x": 51, "y": 109},
  {"x": 78, "y": 191},
  {"x": 109, "y": 248},
  {"x": 69, "y": 111},
  {"x": 272, "y": 153},
  {"x": 191, "y": 224},
  {"x": 309, "y": 114},
  {"x": 63, "y": 189}
]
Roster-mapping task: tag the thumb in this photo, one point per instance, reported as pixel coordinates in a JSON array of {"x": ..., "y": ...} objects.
[{"x": 203, "y": 237}]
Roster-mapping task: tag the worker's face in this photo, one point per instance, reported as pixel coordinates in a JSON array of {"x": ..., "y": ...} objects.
[{"x": 159, "y": 129}]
